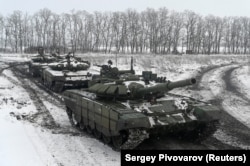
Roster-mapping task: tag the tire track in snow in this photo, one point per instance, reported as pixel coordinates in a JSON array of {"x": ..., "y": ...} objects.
[
  {"x": 235, "y": 102},
  {"x": 42, "y": 116},
  {"x": 58, "y": 140},
  {"x": 240, "y": 78},
  {"x": 230, "y": 86},
  {"x": 216, "y": 85},
  {"x": 50, "y": 109}
]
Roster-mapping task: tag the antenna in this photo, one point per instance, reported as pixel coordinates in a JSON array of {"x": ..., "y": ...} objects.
[
  {"x": 116, "y": 59},
  {"x": 131, "y": 65}
]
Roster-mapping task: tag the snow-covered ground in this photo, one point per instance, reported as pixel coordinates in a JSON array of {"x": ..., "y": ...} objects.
[
  {"x": 216, "y": 84},
  {"x": 24, "y": 143},
  {"x": 242, "y": 80},
  {"x": 15, "y": 141}
]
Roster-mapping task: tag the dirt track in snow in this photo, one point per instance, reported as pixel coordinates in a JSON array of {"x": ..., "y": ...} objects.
[
  {"x": 231, "y": 134},
  {"x": 233, "y": 130},
  {"x": 50, "y": 127}
]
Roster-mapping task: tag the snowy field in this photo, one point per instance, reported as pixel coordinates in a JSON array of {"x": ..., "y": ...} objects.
[{"x": 24, "y": 142}]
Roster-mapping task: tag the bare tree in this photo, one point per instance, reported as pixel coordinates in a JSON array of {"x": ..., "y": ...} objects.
[
  {"x": 117, "y": 30},
  {"x": 164, "y": 29},
  {"x": 16, "y": 32},
  {"x": 97, "y": 30},
  {"x": 246, "y": 34},
  {"x": 2, "y": 33},
  {"x": 177, "y": 26},
  {"x": 155, "y": 31},
  {"x": 208, "y": 34},
  {"x": 45, "y": 18},
  {"x": 132, "y": 29},
  {"x": 190, "y": 25},
  {"x": 106, "y": 32},
  {"x": 124, "y": 32},
  {"x": 198, "y": 34}
]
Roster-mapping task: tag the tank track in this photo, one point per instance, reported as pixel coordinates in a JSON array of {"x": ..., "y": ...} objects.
[
  {"x": 202, "y": 133},
  {"x": 135, "y": 137},
  {"x": 209, "y": 130},
  {"x": 39, "y": 84}
]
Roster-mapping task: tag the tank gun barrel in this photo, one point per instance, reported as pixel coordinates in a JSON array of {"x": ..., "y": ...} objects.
[
  {"x": 181, "y": 83},
  {"x": 164, "y": 87}
]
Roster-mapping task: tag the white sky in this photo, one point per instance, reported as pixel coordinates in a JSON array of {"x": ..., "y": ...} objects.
[{"x": 203, "y": 7}]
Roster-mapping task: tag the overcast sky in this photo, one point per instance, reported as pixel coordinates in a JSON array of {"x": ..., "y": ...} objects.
[{"x": 203, "y": 7}]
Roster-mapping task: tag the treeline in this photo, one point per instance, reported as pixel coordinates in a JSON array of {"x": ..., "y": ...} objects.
[{"x": 150, "y": 31}]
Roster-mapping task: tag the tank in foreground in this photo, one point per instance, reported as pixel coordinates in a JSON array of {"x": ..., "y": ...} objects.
[{"x": 128, "y": 112}]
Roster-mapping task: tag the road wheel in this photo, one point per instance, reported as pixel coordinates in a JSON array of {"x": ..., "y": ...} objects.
[
  {"x": 82, "y": 126},
  {"x": 89, "y": 130},
  {"x": 117, "y": 142},
  {"x": 97, "y": 134},
  {"x": 72, "y": 118},
  {"x": 33, "y": 74},
  {"x": 106, "y": 139},
  {"x": 53, "y": 87},
  {"x": 69, "y": 112},
  {"x": 43, "y": 82},
  {"x": 57, "y": 87},
  {"x": 74, "y": 121},
  {"x": 50, "y": 85}
]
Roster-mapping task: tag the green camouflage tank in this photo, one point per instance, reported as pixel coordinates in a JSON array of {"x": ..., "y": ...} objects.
[{"x": 126, "y": 112}]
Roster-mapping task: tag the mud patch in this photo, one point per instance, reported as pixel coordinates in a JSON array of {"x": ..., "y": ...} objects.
[{"x": 42, "y": 117}]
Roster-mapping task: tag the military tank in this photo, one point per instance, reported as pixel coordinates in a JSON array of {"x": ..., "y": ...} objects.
[
  {"x": 40, "y": 62},
  {"x": 128, "y": 112},
  {"x": 69, "y": 73}
]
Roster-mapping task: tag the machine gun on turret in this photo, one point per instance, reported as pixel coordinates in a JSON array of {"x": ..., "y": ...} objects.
[{"x": 108, "y": 72}]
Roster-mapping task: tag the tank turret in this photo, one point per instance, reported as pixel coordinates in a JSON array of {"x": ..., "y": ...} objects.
[
  {"x": 42, "y": 57},
  {"x": 40, "y": 62},
  {"x": 70, "y": 63},
  {"x": 67, "y": 74},
  {"x": 136, "y": 89}
]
